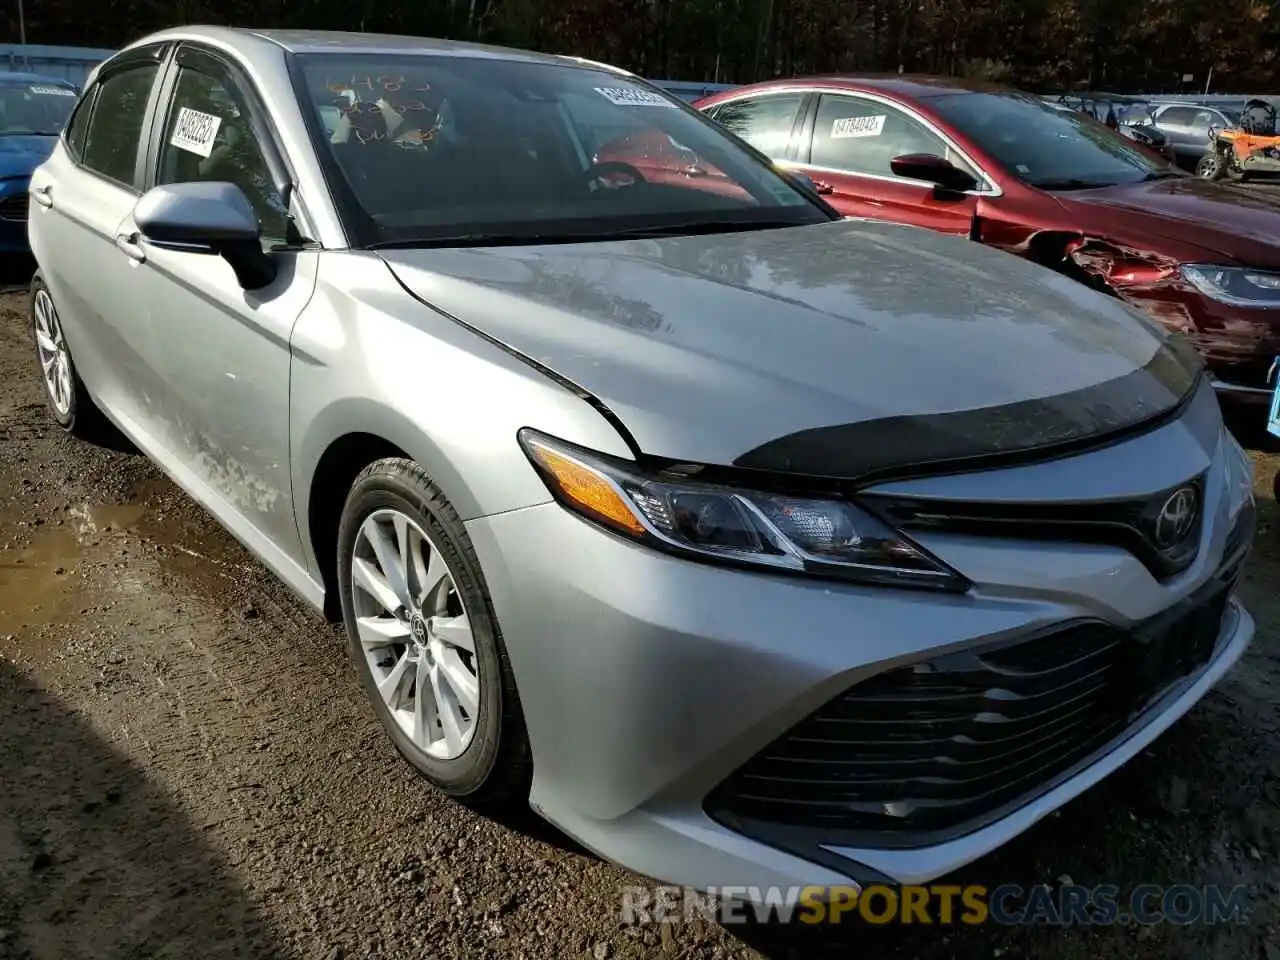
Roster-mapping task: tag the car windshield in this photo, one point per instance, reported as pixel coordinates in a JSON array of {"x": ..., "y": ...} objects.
[
  {"x": 470, "y": 150},
  {"x": 1047, "y": 148},
  {"x": 34, "y": 108}
]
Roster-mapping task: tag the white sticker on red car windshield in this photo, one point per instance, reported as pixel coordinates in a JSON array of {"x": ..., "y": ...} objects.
[
  {"x": 53, "y": 91},
  {"x": 843, "y": 128},
  {"x": 631, "y": 97},
  {"x": 195, "y": 131}
]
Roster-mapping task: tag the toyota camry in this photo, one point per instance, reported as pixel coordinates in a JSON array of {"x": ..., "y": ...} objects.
[{"x": 746, "y": 544}]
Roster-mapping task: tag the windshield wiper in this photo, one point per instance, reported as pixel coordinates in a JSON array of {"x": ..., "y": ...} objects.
[
  {"x": 1070, "y": 183},
  {"x": 500, "y": 239},
  {"x": 1161, "y": 175}
]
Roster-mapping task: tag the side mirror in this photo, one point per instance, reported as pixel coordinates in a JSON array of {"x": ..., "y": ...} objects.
[
  {"x": 933, "y": 169},
  {"x": 213, "y": 218}
]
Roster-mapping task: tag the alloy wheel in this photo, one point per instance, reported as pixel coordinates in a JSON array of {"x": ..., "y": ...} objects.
[
  {"x": 55, "y": 360},
  {"x": 415, "y": 634}
]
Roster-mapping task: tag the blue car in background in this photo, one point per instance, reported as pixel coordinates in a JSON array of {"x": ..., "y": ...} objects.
[{"x": 33, "y": 110}]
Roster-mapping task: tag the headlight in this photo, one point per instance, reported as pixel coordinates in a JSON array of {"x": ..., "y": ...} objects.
[
  {"x": 797, "y": 534},
  {"x": 1238, "y": 286},
  {"x": 1239, "y": 475}
]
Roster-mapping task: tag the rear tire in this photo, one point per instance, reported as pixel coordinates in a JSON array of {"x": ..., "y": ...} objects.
[
  {"x": 68, "y": 401},
  {"x": 468, "y": 737}
]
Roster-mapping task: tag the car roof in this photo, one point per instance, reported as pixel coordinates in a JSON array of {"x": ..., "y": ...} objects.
[
  {"x": 249, "y": 42},
  {"x": 9, "y": 76},
  {"x": 918, "y": 87}
]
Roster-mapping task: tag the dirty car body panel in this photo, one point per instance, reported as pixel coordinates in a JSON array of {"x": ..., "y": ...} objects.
[{"x": 915, "y": 519}]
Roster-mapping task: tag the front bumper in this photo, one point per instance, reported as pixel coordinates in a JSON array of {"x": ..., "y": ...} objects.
[{"x": 647, "y": 681}]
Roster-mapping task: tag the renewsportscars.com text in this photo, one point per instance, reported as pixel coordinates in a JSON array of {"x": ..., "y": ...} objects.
[{"x": 940, "y": 904}]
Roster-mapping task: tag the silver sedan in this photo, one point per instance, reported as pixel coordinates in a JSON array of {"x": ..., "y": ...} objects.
[{"x": 748, "y": 545}]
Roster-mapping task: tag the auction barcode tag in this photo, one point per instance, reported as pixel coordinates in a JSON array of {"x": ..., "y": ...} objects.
[
  {"x": 630, "y": 97},
  {"x": 846, "y": 127},
  {"x": 53, "y": 91},
  {"x": 195, "y": 131}
]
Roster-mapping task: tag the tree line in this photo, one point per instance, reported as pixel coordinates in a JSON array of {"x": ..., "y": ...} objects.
[{"x": 1044, "y": 45}]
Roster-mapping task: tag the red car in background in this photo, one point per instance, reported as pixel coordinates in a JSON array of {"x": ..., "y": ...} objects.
[{"x": 1009, "y": 170}]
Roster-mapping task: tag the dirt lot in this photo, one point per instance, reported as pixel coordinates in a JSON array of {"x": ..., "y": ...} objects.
[{"x": 188, "y": 768}]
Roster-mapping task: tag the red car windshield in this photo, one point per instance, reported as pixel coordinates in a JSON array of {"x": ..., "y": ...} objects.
[{"x": 1044, "y": 147}]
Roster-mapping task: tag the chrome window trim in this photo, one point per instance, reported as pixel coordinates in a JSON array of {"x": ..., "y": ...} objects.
[{"x": 990, "y": 187}]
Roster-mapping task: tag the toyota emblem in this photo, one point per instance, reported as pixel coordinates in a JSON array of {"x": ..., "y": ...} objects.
[{"x": 1176, "y": 518}]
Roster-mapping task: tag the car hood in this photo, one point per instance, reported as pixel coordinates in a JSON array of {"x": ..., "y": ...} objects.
[
  {"x": 840, "y": 349},
  {"x": 1234, "y": 222},
  {"x": 20, "y": 154}
]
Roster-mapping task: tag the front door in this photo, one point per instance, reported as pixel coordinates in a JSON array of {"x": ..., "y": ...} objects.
[
  {"x": 222, "y": 351},
  {"x": 853, "y": 141}
]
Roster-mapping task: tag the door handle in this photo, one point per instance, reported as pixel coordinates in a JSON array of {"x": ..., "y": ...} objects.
[
  {"x": 823, "y": 188},
  {"x": 43, "y": 195},
  {"x": 128, "y": 244}
]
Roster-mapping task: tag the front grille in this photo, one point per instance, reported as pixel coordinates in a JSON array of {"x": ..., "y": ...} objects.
[
  {"x": 14, "y": 208},
  {"x": 933, "y": 747},
  {"x": 1129, "y": 524}
]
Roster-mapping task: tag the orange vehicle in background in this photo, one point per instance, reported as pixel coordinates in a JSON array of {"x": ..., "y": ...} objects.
[{"x": 1252, "y": 148}]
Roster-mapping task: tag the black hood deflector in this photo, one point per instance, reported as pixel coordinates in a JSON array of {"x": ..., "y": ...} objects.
[{"x": 1038, "y": 429}]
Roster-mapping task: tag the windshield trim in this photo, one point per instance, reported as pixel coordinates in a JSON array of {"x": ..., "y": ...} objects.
[{"x": 363, "y": 232}]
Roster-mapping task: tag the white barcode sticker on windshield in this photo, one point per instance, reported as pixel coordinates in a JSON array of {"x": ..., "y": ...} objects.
[
  {"x": 630, "y": 97},
  {"x": 846, "y": 127},
  {"x": 195, "y": 131},
  {"x": 53, "y": 91}
]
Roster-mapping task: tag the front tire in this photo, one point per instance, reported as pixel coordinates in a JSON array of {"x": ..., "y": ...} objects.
[
  {"x": 68, "y": 401},
  {"x": 423, "y": 636},
  {"x": 1211, "y": 167}
]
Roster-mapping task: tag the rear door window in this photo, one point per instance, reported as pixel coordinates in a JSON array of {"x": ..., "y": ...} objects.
[
  {"x": 115, "y": 128},
  {"x": 765, "y": 122},
  {"x": 1177, "y": 117}
]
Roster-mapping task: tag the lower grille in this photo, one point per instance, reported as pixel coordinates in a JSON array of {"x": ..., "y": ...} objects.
[
  {"x": 934, "y": 746},
  {"x": 15, "y": 207}
]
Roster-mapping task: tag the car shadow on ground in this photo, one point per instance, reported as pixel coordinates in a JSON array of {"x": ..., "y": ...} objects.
[
  {"x": 16, "y": 270},
  {"x": 95, "y": 860}
]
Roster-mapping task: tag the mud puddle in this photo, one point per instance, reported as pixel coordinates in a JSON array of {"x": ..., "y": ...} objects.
[{"x": 46, "y": 565}]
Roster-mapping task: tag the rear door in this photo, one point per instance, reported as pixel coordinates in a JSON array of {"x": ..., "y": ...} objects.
[
  {"x": 1175, "y": 123},
  {"x": 1198, "y": 132},
  {"x": 848, "y": 153},
  {"x": 81, "y": 199}
]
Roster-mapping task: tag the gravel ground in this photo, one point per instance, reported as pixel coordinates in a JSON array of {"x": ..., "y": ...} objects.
[{"x": 188, "y": 768}]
